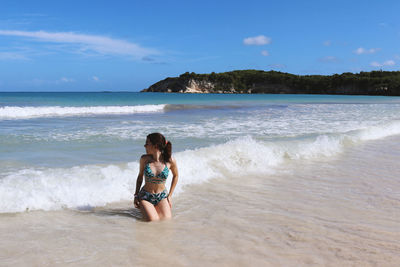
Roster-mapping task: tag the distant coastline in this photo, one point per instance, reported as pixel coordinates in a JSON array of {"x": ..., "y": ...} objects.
[{"x": 386, "y": 83}]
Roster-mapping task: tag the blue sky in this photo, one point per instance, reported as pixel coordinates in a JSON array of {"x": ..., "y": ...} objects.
[{"x": 129, "y": 45}]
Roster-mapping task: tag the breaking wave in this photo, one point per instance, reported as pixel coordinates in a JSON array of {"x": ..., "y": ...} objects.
[
  {"x": 13, "y": 112},
  {"x": 97, "y": 185}
]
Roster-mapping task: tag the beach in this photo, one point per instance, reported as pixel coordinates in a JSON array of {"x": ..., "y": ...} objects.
[{"x": 264, "y": 180}]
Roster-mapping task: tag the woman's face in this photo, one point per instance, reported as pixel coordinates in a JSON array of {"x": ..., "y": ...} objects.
[{"x": 148, "y": 146}]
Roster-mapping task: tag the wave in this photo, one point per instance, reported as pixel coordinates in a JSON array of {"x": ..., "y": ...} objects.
[
  {"x": 244, "y": 106},
  {"x": 97, "y": 185},
  {"x": 13, "y": 112},
  {"x": 177, "y": 107}
]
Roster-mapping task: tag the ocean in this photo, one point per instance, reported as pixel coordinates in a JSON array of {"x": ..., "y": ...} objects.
[{"x": 264, "y": 180}]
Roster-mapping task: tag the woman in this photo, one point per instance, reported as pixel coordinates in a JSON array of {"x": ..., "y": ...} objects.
[{"x": 153, "y": 199}]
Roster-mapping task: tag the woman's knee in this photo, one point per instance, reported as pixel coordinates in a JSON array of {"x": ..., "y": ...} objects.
[
  {"x": 165, "y": 216},
  {"x": 153, "y": 218},
  {"x": 164, "y": 211},
  {"x": 150, "y": 214}
]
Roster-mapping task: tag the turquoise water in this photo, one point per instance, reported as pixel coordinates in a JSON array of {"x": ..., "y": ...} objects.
[
  {"x": 133, "y": 98},
  {"x": 68, "y": 141}
]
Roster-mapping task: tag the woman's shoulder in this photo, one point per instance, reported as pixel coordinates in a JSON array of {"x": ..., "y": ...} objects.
[
  {"x": 145, "y": 158},
  {"x": 172, "y": 161}
]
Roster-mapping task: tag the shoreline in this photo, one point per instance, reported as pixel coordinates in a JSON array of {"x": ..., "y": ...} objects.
[
  {"x": 187, "y": 93},
  {"x": 352, "y": 224}
]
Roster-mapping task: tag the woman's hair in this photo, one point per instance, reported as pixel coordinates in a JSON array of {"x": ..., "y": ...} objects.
[{"x": 162, "y": 144}]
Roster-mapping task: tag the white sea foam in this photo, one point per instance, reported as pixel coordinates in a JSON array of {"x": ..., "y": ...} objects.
[
  {"x": 378, "y": 132},
  {"x": 13, "y": 112},
  {"x": 95, "y": 185}
]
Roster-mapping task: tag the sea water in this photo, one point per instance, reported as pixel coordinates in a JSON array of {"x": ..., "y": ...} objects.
[{"x": 315, "y": 176}]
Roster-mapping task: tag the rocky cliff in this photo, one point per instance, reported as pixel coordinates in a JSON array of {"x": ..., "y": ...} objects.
[{"x": 176, "y": 85}]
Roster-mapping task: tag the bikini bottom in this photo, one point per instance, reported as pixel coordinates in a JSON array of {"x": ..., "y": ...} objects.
[{"x": 153, "y": 198}]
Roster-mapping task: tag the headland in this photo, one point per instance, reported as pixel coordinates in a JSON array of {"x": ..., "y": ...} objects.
[{"x": 386, "y": 83}]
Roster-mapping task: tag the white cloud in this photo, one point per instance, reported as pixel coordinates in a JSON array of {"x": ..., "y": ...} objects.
[
  {"x": 265, "y": 53},
  {"x": 66, "y": 80},
  {"x": 277, "y": 66},
  {"x": 389, "y": 63},
  {"x": 386, "y": 63},
  {"x": 328, "y": 59},
  {"x": 12, "y": 56},
  {"x": 327, "y": 43},
  {"x": 376, "y": 64},
  {"x": 36, "y": 82},
  {"x": 99, "y": 44},
  {"x": 43, "y": 82},
  {"x": 257, "y": 40},
  {"x": 361, "y": 50},
  {"x": 95, "y": 78}
]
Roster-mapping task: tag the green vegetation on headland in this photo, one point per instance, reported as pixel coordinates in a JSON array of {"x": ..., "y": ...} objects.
[{"x": 274, "y": 82}]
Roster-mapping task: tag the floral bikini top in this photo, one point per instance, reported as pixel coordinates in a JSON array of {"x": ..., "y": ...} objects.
[{"x": 160, "y": 178}]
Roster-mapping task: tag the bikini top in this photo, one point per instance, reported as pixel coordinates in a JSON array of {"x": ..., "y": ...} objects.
[{"x": 160, "y": 178}]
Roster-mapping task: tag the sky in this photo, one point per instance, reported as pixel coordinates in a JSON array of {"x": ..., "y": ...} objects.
[{"x": 119, "y": 45}]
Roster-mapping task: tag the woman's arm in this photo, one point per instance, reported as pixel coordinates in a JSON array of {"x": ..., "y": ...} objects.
[
  {"x": 174, "y": 169},
  {"x": 139, "y": 180}
]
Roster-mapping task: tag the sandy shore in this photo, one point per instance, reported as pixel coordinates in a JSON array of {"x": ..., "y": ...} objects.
[{"x": 332, "y": 212}]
